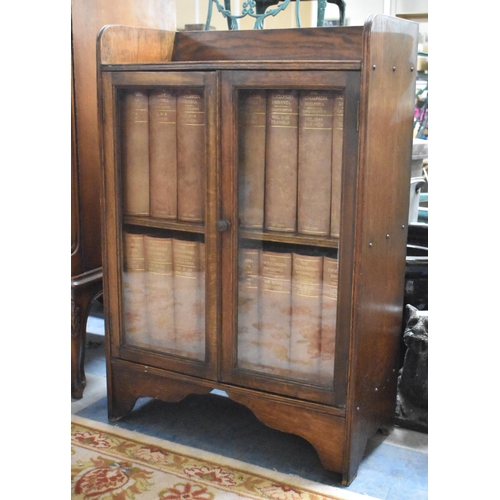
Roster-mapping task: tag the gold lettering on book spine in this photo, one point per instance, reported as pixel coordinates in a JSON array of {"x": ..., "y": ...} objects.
[
  {"x": 251, "y": 157},
  {"x": 328, "y": 319},
  {"x": 337, "y": 159},
  {"x": 191, "y": 156},
  {"x": 135, "y": 153},
  {"x": 306, "y": 317},
  {"x": 163, "y": 153},
  {"x": 275, "y": 308},
  {"x": 315, "y": 162},
  {"x": 281, "y": 161},
  {"x": 134, "y": 289}
]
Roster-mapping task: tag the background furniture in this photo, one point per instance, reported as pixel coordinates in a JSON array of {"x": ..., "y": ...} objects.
[
  {"x": 87, "y": 17},
  {"x": 259, "y": 12}
]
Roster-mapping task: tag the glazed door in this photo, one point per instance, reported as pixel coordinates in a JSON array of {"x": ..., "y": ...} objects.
[
  {"x": 162, "y": 230},
  {"x": 289, "y": 156}
]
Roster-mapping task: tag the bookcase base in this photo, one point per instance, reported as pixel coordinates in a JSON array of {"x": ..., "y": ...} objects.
[{"x": 324, "y": 427}]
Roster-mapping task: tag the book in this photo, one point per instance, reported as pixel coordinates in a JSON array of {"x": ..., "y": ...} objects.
[
  {"x": 201, "y": 295},
  {"x": 337, "y": 156},
  {"x": 163, "y": 153},
  {"x": 307, "y": 276},
  {"x": 248, "y": 308},
  {"x": 315, "y": 162},
  {"x": 191, "y": 156},
  {"x": 328, "y": 319},
  {"x": 281, "y": 161},
  {"x": 275, "y": 270},
  {"x": 136, "y": 153},
  {"x": 251, "y": 157},
  {"x": 186, "y": 268},
  {"x": 160, "y": 291},
  {"x": 134, "y": 287}
]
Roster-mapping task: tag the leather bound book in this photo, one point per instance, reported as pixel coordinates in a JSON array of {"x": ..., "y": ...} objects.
[
  {"x": 251, "y": 157},
  {"x": 160, "y": 292},
  {"x": 134, "y": 290},
  {"x": 186, "y": 266},
  {"x": 315, "y": 162},
  {"x": 191, "y": 157},
  {"x": 275, "y": 312},
  {"x": 248, "y": 309},
  {"x": 337, "y": 153},
  {"x": 136, "y": 153},
  {"x": 163, "y": 153},
  {"x": 201, "y": 295},
  {"x": 307, "y": 277},
  {"x": 328, "y": 319},
  {"x": 281, "y": 161}
]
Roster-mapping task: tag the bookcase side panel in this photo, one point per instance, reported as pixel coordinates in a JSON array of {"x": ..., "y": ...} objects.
[
  {"x": 386, "y": 123},
  {"x": 119, "y": 44}
]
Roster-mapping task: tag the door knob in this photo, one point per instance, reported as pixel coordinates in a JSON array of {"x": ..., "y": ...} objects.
[{"x": 223, "y": 225}]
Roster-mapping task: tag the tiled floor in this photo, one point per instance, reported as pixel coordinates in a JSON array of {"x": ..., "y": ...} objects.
[{"x": 394, "y": 467}]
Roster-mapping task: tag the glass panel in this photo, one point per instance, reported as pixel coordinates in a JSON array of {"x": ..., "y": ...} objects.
[
  {"x": 289, "y": 168},
  {"x": 163, "y": 173}
]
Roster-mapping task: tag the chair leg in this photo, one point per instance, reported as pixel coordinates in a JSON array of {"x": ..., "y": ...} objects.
[{"x": 82, "y": 297}]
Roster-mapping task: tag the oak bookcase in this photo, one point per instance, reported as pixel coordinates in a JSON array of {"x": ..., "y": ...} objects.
[{"x": 255, "y": 208}]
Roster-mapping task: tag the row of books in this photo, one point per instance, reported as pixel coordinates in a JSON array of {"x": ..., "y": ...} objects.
[
  {"x": 290, "y": 160},
  {"x": 164, "y": 161},
  {"x": 287, "y": 309},
  {"x": 164, "y": 294},
  {"x": 287, "y": 305},
  {"x": 290, "y": 146}
]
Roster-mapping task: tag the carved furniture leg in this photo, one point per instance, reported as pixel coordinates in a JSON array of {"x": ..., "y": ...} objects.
[{"x": 84, "y": 290}]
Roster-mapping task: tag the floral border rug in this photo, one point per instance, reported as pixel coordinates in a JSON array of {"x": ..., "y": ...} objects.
[{"x": 109, "y": 463}]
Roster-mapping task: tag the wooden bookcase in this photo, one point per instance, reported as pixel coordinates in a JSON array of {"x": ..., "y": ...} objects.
[{"x": 255, "y": 208}]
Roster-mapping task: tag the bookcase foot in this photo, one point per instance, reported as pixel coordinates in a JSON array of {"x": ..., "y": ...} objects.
[
  {"x": 323, "y": 430},
  {"x": 129, "y": 383},
  {"x": 348, "y": 478},
  {"x": 119, "y": 407}
]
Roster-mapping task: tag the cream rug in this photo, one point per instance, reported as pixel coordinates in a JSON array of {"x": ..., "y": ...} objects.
[{"x": 109, "y": 463}]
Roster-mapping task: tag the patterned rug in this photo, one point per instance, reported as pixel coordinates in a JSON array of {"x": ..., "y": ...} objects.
[{"x": 109, "y": 463}]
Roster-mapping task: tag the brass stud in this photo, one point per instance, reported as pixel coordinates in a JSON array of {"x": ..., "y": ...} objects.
[
  {"x": 394, "y": 68},
  {"x": 374, "y": 66}
]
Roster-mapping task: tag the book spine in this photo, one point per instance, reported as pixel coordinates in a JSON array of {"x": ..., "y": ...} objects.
[
  {"x": 186, "y": 267},
  {"x": 134, "y": 290},
  {"x": 337, "y": 154},
  {"x": 251, "y": 157},
  {"x": 315, "y": 162},
  {"x": 160, "y": 292},
  {"x": 136, "y": 153},
  {"x": 201, "y": 296},
  {"x": 281, "y": 161},
  {"x": 275, "y": 308},
  {"x": 163, "y": 153},
  {"x": 248, "y": 309},
  {"x": 307, "y": 275},
  {"x": 191, "y": 157},
  {"x": 328, "y": 319}
]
